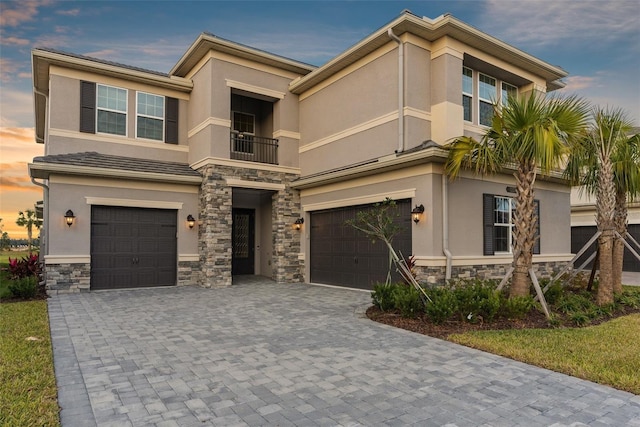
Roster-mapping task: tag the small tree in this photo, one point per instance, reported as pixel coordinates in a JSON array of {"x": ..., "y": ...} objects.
[{"x": 28, "y": 220}]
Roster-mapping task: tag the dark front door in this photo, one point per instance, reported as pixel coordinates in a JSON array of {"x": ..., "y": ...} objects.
[
  {"x": 243, "y": 237},
  {"x": 133, "y": 247},
  {"x": 344, "y": 256}
]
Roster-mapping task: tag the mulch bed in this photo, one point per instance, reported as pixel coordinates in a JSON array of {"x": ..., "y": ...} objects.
[{"x": 534, "y": 320}]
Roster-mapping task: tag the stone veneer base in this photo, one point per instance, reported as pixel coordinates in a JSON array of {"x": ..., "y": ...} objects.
[
  {"x": 436, "y": 275},
  {"x": 67, "y": 278}
]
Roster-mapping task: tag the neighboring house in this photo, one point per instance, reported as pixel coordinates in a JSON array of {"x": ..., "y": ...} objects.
[
  {"x": 583, "y": 228},
  {"x": 270, "y": 156}
]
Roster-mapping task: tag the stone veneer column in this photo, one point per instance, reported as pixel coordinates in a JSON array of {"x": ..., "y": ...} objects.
[
  {"x": 286, "y": 240},
  {"x": 214, "y": 231}
]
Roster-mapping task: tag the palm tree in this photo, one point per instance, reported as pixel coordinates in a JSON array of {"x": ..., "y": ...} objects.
[
  {"x": 28, "y": 220},
  {"x": 533, "y": 132},
  {"x": 604, "y": 162}
]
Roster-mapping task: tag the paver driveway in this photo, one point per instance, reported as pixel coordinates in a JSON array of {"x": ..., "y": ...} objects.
[{"x": 260, "y": 353}]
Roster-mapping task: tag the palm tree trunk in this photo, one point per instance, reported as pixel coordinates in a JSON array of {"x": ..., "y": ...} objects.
[
  {"x": 605, "y": 203},
  {"x": 620, "y": 220},
  {"x": 524, "y": 229}
]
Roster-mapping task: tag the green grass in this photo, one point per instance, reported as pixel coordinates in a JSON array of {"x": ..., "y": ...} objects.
[
  {"x": 608, "y": 353},
  {"x": 4, "y": 256},
  {"x": 27, "y": 382}
]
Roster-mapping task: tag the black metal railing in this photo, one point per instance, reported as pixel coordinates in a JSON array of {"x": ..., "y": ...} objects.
[{"x": 254, "y": 148}]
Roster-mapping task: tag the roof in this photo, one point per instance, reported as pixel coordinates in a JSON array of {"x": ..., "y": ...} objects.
[
  {"x": 207, "y": 41},
  {"x": 97, "y": 164},
  {"x": 432, "y": 30}
]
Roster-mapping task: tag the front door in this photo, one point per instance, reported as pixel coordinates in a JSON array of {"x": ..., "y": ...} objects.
[{"x": 243, "y": 236}]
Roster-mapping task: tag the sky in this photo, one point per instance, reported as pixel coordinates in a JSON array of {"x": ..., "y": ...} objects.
[{"x": 597, "y": 42}]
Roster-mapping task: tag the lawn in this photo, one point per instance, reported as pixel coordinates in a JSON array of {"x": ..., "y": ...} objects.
[
  {"x": 28, "y": 395},
  {"x": 608, "y": 353}
]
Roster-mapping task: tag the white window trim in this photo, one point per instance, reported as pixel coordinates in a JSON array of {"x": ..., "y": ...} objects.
[
  {"x": 481, "y": 99},
  {"x": 138, "y": 114},
  {"x": 126, "y": 111},
  {"x": 470, "y": 95},
  {"x": 508, "y": 226}
]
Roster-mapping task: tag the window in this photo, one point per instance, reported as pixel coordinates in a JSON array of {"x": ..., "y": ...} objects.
[
  {"x": 467, "y": 92},
  {"x": 103, "y": 109},
  {"x": 244, "y": 129},
  {"x": 503, "y": 224},
  {"x": 486, "y": 96},
  {"x": 508, "y": 91},
  {"x": 498, "y": 229},
  {"x": 150, "y": 116},
  {"x": 112, "y": 110}
]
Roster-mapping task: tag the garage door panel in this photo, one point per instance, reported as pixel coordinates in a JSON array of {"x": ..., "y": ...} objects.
[
  {"x": 133, "y": 247},
  {"x": 342, "y": 255}
]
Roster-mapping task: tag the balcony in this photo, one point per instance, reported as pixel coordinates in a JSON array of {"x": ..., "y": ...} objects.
[{"x": 253, "y": 148}]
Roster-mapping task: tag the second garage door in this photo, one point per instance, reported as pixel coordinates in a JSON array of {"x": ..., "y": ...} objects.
[
  {"x": 133, "y": 247},
  {"x": 344, "y": 256}
]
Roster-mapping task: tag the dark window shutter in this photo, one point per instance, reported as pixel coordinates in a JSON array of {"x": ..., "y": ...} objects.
[
  {"x": 488, "y": 206},
  {"x": 536, "y": 209},
  {"x": 87, "y": 107},
  {"x": 171, "y": 121}
]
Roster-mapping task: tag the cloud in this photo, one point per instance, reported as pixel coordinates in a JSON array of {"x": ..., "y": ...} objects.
[
  {"x": 16, "y": 13},
  {"x": 17, "y": 135},
  {"x": 19, "y": 183},
  {"x": 69, "y": 12},
  {"x": 581, "y": 82},
  {"x": 14, "y": 41},
  {"x": 16, "y": 108},
  {"x": 544, "y": 23}
]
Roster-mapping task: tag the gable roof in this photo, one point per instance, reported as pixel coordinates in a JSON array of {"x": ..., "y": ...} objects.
[
  {"x": 431, "y": 30},
  {"x": 118, "y": 167}
]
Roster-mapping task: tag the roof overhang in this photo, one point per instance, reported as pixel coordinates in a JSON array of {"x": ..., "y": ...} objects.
[
  {"x": 45, "y": 170},
  {"x": 432, "y": 30},
  {"x": 42, "y": 60},
  {"x": 206, "y": 42}
]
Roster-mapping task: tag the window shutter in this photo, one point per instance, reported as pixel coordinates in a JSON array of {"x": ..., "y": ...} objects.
[
  {"x": 87, "y": 107},
  {"x": 488, "y": 206},
  {"x": 171, "y": 121},
  {"x": 536, "y": 209}
]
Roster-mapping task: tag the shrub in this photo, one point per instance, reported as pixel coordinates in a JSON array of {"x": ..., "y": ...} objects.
[
  {"x": 382, "y": 296},
  {"x": 476, "y": 299},
  {"x": 444, "y": 304},
  {"x": 574, "y": 302},
  {"x": 25, "y": 267},
  {"x": 25, "y": 287},
  {"x": 554, "y": 293},
  {"x": 407, "y": 301},
  {"x": 580, "y": 318},
  {"x": 516, "y": 307},
  {"x": 629, "y": 299}
]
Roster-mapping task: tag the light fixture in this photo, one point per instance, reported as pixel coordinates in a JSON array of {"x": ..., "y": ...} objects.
[
  {"x": 69, "y": 217},
  {"x": 416, "y": 213},
  {"x": 191, "y": 221},
  {"x": 298, "y": 224}
]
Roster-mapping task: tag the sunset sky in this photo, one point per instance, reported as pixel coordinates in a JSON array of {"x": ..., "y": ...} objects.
[{"x": 597, "y": 42}]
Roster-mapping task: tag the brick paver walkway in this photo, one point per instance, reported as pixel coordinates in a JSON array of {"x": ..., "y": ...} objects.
[{"x": 260, "y": 353}]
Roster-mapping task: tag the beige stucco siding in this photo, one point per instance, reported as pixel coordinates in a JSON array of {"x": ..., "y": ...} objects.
[
  {"x": 72, "y": 192},
  {"x": 465, "y": 215}
]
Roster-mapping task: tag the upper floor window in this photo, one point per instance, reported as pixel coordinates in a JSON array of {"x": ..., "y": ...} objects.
[
  {"x": 150, "y": 116},
  {"x": 487, "y": 98},
  {"x": 103, "y": 109},
  {"x": 508, "y": 91},
  {"x": 467, "y": 93},
  {"x": 244, "y": 123},
  {"x": 111, "y": 110}
]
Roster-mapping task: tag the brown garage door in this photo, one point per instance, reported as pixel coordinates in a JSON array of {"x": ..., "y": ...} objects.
[
  {"x": 344, "y": 256},
  {"x": 133, "y": 247},
  {"x": 581, "y": 235}
]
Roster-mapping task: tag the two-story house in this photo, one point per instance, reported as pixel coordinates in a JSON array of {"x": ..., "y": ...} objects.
[{"x": 239, "y": 162}]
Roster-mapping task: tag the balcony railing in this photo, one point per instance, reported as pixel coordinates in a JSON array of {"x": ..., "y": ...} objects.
[{"x": 254, "y": 148}]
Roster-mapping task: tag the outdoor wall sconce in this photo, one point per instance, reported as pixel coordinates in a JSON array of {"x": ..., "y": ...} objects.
[
  {"x": 191, "y": 221},
  {"x": 416, "y": 213},
  {"x": 298, "y": 224},
  {"x": 69, "y": 217}
]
